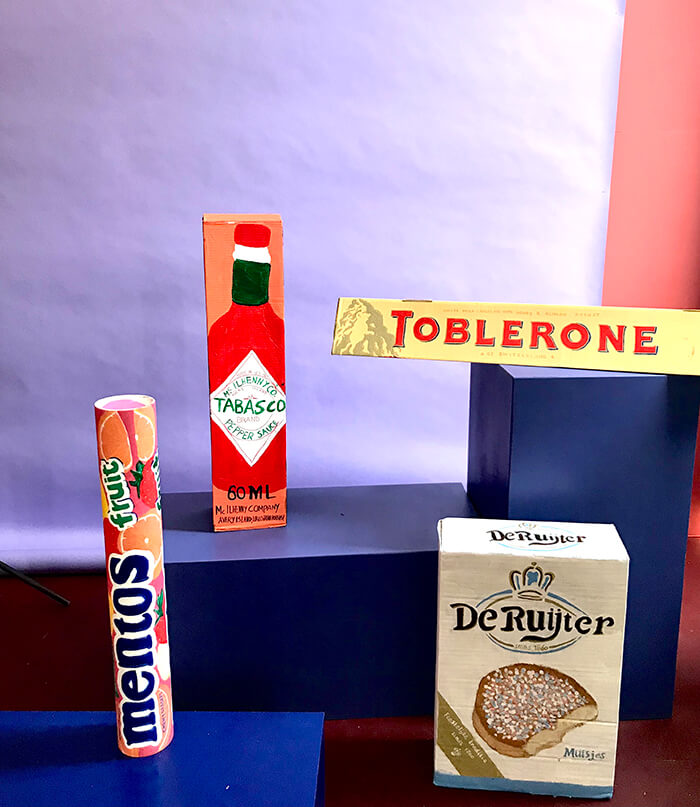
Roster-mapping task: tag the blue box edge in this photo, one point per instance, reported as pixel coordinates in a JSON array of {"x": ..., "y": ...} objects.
[{"x": 522, "y": 786}]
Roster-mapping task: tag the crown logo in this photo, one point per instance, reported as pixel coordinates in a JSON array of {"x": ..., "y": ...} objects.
[{"x": 531, "y": 583}]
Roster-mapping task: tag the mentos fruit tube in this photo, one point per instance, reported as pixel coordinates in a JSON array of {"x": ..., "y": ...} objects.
[{"x": 127, "y": 447}]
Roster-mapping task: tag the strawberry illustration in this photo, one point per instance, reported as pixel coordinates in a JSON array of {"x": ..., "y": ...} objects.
[
  {"x": 149, "y": 487},
  {"x": 145, "y": 482},
  {"x": 161, "y": 627}
]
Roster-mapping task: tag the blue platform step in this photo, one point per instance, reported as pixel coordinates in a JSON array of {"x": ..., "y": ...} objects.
[
  {"x": 70, "y": 759},
  {"x": 579, "y": 445},
  {"x": 334, "y": 612}
]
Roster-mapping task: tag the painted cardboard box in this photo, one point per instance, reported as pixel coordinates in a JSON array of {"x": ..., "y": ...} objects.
[
  {"x": 530, "y": 632},
  {"x": 641, "y": 340},
  {"x": 247, "y": 394}
]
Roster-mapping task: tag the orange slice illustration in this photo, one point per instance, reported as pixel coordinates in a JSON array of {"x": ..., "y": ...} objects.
[
  {"x": 113, "y": 440},
  {"x": 145, "y": 436},
  {"x": 145, "y": 534}
]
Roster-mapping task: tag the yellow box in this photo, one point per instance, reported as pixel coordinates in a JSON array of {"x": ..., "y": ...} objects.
[{"x": 640, "y": 340}]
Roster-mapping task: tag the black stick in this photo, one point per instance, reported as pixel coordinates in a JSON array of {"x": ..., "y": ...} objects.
[{"x": 33, "y": 583}]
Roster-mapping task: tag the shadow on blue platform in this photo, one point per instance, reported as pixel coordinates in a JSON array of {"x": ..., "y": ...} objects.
[
  {"x": 188, "y": 512},
  {"x": 32, "y": 746}
]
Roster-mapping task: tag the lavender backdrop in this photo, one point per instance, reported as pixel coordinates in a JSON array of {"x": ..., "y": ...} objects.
[{"x": 458, "y": 150}]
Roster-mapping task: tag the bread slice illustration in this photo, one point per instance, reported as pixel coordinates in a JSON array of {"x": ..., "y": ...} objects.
[{"x": 523, "y": 708}]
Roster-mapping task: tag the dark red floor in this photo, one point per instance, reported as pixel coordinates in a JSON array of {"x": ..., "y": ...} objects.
[{"x": 59, "y": 658}]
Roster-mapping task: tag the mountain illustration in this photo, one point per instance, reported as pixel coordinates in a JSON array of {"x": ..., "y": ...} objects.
[{"x": 360, "y": 331}]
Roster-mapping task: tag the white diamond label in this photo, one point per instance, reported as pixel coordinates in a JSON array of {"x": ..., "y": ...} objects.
[{"x": 250, "y": 408}]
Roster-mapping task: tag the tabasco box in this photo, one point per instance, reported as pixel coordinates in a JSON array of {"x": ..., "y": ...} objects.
[
  {"x": 530, "y": 628},
  {"x": 247, "y": 400}
]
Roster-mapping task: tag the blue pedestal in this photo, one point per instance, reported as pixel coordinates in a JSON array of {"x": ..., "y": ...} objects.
[
  {"x": 333, "y": 613},
  {"x": 578, "y": 445},
  {"x": 52, "y": 759}
]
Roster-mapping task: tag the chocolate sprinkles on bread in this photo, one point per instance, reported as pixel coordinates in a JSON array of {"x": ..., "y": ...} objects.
[{"x": 524, "y": 708}]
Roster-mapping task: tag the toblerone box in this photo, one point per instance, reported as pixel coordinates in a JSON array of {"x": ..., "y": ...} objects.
[
  {"x": 247, "y": 392},
  {"x": 638, "y": 340},
  {"x": 530, "y": 629}
]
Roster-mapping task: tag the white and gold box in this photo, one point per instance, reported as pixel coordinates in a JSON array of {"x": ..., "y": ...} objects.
[{"x": 531, "y": 620}]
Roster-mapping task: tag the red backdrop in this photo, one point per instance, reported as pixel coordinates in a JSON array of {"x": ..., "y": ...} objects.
[{"x": 653, "y": 246}]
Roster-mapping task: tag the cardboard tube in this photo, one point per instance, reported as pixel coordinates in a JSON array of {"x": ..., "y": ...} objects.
[{"x": 127, "y": 447}]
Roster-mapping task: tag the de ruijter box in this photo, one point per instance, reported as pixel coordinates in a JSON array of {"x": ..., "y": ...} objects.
[{"x": 530, "y": 633}]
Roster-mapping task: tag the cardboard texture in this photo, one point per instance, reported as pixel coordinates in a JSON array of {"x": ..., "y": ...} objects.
[
  {"x": 127, "y": 447},
  {"x": 245, "y": 335},
  {"x": 589, "y": 337},
  {"x": 530, "y": 633}
]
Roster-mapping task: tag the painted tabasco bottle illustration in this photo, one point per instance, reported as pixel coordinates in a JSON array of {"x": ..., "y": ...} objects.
[{"x": 246, "y": 374}]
